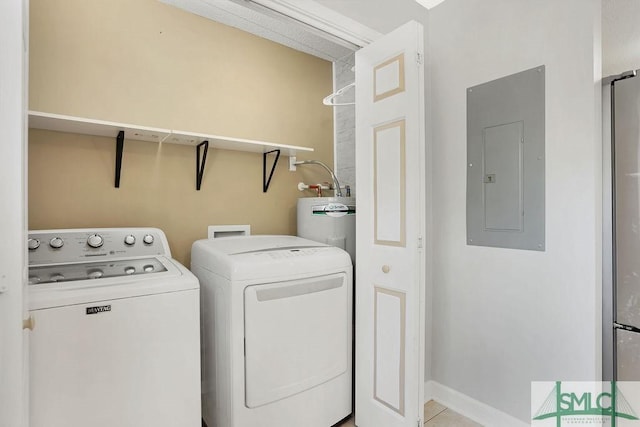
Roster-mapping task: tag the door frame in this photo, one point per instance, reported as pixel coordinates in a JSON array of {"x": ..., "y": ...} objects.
[
  {"x": 607, "y": 236},
  {"x": 328, "y": 21},
  {"x": 13, "y": 227}
]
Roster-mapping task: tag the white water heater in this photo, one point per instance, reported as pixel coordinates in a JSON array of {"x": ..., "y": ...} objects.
[{"x": 330, "y": 220}]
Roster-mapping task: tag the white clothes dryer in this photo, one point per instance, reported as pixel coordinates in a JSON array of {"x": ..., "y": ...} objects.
[
  {"x": 276, "y": 331},
  {"x": 115, "y": 339}
]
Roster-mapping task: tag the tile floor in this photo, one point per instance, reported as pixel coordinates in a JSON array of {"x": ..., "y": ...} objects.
[{"x": 436, "y": 415}]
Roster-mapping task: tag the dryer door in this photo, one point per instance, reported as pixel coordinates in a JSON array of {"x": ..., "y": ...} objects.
[{"x": 297, "y": 335}]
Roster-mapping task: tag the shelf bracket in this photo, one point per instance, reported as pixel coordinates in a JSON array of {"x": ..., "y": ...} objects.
[
  {"x": 265, "y": 181},
  {"x": 200, "y": 162},
  {"x": 119, "y": 150}
]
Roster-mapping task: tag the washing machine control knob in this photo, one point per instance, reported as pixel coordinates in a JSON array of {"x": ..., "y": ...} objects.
[
  {"x": 56, "y": 243},
  {"x": 33, "y": 244},
  {"x": 95, "y": 241},
  {"x": 148, "y": 239},
  {"x": 95, "y": 274},
  {"x": 130, "y": 240},
  {"x": 56, "y": 277}
]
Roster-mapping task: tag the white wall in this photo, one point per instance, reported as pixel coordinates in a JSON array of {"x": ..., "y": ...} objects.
[
  {"x": 344, "y": 124},
  {"x": 620, "y": 36},
  {"x": 503, "y": 318},
  {"x": 380, "y": 15},
  {"x": 12, "y": 217}
]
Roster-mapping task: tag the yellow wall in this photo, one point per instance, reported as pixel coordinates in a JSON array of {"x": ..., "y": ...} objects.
[{"x": 147, "y": 63}]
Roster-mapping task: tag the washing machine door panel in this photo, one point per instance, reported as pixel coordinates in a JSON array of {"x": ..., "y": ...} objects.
[{"x": 296, "y": 336}]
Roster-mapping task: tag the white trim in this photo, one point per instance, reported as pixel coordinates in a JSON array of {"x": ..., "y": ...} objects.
[
  {"x": 324, "y": 19},
  {"x": 469, "y": 407},
  {"x": 335, "y": 120},
  {"x": 269, "y": 24},
  {"x": 13, "y": 227}
]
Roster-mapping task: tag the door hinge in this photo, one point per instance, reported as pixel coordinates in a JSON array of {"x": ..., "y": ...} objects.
[
  {"x": 419, "y": 58},
  {"x": 419, "y": 422},
  {"x": 419, "y": 242}
]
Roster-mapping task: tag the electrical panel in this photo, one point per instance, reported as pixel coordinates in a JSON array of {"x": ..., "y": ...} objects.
[{"x": 505, "y": 162}]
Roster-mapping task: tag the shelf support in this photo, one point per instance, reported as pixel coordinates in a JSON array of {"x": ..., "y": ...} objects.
[
  {"x": 265, "y": 181},
  {"x": 119, "y": 150},
  {"x": 200, "y": 162}
]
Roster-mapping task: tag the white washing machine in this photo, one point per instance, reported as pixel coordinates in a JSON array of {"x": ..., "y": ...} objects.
[
  {"x": 115, "y": 339},
  {"x": 276, "y": 331}
]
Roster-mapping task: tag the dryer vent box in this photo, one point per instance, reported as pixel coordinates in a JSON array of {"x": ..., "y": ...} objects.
[
  {"x": 505, "y": 162},
  {"x": 218, "y": 231}
]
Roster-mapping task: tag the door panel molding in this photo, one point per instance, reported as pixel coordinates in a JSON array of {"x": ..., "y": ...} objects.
[
  {"x": 388, "y": 78},
  {"x": 388, "y": 353},
  {"x": 389, "y": 184}
]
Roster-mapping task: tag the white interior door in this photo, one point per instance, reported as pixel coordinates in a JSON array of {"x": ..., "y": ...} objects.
[{"x": 390, "y": 178}]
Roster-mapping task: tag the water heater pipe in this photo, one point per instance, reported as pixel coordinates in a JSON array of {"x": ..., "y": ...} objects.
[
  {"x": 336, "y": 184},
  {"x": 318, "y": 187}
]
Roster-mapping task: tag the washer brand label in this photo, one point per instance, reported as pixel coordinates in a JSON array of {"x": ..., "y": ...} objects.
[{"x": 98, "y": 309}]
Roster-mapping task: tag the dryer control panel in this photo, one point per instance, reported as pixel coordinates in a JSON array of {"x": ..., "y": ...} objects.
[
  {"x": 81, "y": 245},
  {"x": 291, "y": 253}
]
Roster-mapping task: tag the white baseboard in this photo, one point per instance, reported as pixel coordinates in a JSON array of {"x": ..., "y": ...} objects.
[{"x": 469, "y": 407}]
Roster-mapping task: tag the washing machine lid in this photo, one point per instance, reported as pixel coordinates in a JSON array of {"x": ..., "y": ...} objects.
[{"x": 266, "y": 257}]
